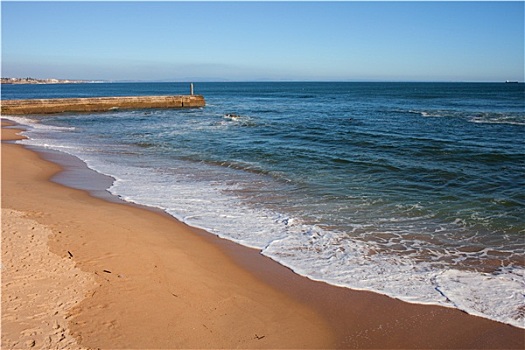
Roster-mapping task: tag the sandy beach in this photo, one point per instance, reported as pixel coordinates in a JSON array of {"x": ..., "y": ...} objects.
[{"x": 82, "y": 272}]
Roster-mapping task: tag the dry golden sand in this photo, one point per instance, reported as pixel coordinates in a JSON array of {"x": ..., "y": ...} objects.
[
  {"x": 38, "y": 287},
  {"x": 161, "y": 284}
]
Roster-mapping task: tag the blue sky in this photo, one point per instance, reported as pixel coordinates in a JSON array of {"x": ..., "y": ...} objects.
[{"x": 255, "y": 41}]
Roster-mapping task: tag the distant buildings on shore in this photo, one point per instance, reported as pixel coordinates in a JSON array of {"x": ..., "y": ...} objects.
[{"x": 43, "y": 81}]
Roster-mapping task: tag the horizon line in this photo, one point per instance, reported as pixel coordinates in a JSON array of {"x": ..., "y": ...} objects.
[{"x": 198, "y": 80}]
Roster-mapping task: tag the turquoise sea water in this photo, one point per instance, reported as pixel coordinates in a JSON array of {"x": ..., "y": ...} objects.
[{"x": 415, "y": 190}]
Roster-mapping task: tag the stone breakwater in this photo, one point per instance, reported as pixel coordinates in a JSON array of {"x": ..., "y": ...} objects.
[{"x": 98, "y": 104}]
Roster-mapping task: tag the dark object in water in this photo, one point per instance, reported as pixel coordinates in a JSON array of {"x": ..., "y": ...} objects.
[{"x": 232, "y": 116}]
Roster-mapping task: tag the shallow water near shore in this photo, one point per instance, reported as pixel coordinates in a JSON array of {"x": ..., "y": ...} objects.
[{"x": 414, "y": 190}]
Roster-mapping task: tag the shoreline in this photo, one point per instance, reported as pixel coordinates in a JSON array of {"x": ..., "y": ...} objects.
[{"x": 330, "y": 316}]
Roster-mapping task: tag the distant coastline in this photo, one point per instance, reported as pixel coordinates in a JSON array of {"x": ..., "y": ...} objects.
[{"x": 44, "y": 81}]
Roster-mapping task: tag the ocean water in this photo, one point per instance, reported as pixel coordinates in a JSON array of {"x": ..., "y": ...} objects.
[{"x": 413, "y": 190}]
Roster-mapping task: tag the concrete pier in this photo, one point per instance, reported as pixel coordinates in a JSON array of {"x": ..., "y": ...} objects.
[{"x": 98, "y": 104}]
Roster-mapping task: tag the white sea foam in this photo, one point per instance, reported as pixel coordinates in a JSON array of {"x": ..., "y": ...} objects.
[
  {"x": 339, "y": 260},
  {"x": 515, "y": 118},
  {"x": 499, "y": 120},
  {"x": 36, "y": 126},
  {"x": 309, "y": 250},
  {"x": 500, "y": 296}
]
